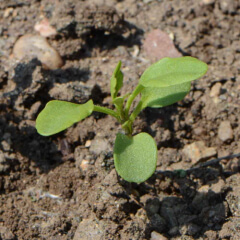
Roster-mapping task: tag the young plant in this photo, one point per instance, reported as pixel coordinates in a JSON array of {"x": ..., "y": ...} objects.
[{"x": 163, "y": 83}]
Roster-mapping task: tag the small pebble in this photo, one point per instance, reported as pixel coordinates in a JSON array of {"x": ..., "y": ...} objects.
[
  {"x": 6, "y": 146},
  {"x": 157, "y": 236},
  {"x": 225, "y": 132},
  {"x": 88, "y": 143},
  {"x": 35, "y": 46},
  {"x": 84, "y": 165},
  {"x": 8, "y": 12},
  {"x": 158, "y": 45},
  {"x": 208, "y": 2},
  {"x": 215, "y": 90}
]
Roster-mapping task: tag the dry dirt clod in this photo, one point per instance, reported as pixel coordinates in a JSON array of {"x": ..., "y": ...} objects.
[
  {"x": 88, "y": 229},
  {"x": 99, "y": 145},
  {"x": 233, "y": 196},
  {"x": 225, "y": 132},
  {"x": 197, "y": 151},
  {"x": 35, "y": 46},
  {"x": 158, "y": 45},
  {"x": 6, "y": 234}
]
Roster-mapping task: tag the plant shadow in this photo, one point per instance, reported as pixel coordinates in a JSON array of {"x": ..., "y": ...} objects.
[{"x": 190, "y": 206}]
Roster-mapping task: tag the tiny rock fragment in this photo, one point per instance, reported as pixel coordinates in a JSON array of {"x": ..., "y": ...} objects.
[
  {"x": 8, "y": 12},
  {"x": 84, "y": 165},
  {"x": 208, "y": 2},
  {"x": 6, "y": 146},
  {"x": 44, "y": 28},
  {"x": 157, "y": 236},
  {"x": 88, "y": 143},
  {"x": 215, "y": 90},
  {"x": 136, "y": 50},
  {"x": 197, "y": 151},
  {"x": 35, "y": 46},
  {"x": 158, "y": 45},
  {"x": 225, "y": 132}
]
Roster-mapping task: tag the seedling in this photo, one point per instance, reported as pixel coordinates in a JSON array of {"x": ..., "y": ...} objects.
[{"x": 163, "y": 83}]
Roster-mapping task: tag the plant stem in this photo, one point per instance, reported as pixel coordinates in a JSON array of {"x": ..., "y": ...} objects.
[
  {"x": 127, "y": 127},
  {"x": 106, "y": 111},
  {"x": 136, "y": 111},
  {"x": 136, "y": 91}
]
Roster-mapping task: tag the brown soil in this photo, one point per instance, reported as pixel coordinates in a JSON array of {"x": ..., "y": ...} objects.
[{"x": 47, "y": 189}]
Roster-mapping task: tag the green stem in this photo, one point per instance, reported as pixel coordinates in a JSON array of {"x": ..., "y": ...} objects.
[
  {"x": 136, "y": 111},
  {"x": 106, "y": 111},
  {"x": 127, "y": 126},
  {"x": 136, "y": 91}
]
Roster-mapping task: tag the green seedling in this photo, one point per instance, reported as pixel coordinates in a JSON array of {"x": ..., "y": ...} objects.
[{"x": 163, "y": 83}]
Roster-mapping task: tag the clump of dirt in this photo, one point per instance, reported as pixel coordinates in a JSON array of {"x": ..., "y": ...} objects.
[{"x": 65, "y": 186}]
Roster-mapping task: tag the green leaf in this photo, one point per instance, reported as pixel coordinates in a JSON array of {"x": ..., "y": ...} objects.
[
  {"x": 116, "y": 80},
  {"x": 161, "y": 97},
  {"x": 118, "y": 101},
  {"x": 172, "y": 71},
  {"x": 59, "y": 115},
  {"x": 135, "y": 158}
]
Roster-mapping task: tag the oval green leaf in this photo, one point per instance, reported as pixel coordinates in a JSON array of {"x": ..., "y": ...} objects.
[
  {"x": 135, "y": 158},
  {"x": 161, "y": 97},
  {"x": 59, "y": 115},
  {"x": 172, "y": 71},
  {"x": 116, "y": 80}
]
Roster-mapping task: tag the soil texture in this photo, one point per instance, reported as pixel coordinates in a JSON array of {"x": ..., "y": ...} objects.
[{"x": 65, "y": 186}]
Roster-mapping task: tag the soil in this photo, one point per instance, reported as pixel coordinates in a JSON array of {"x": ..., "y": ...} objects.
[{"x": 65, "y": 186}]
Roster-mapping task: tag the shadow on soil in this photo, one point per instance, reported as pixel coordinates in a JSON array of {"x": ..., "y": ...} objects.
[
  {"x": 100, "y": 39},
  {"x": 192, "y": 211},
  {"x": 17, "y": 119}
]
